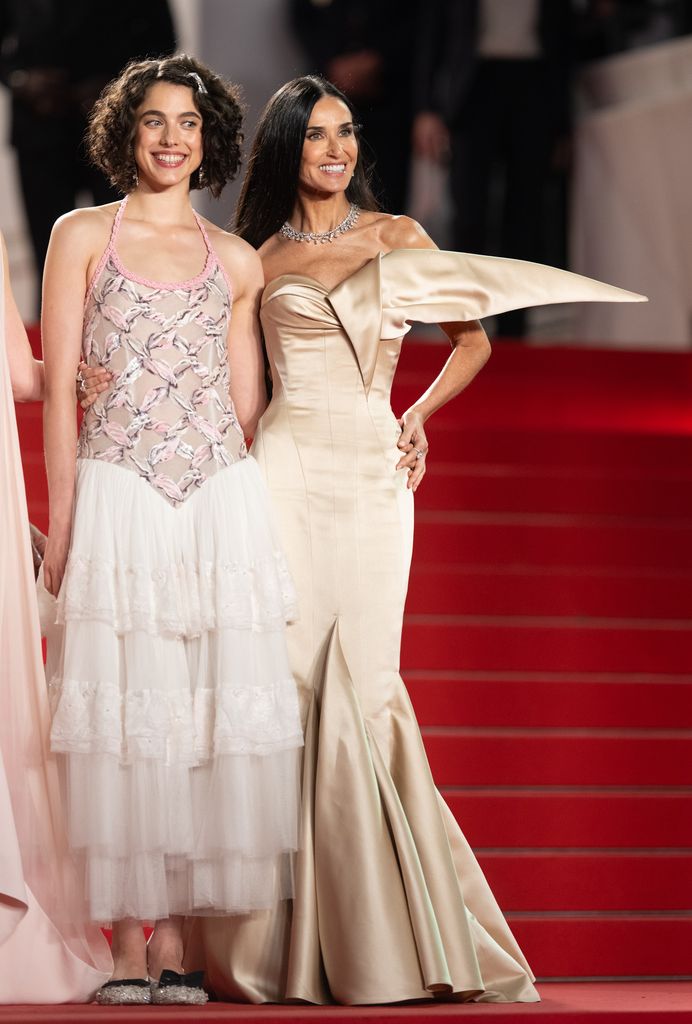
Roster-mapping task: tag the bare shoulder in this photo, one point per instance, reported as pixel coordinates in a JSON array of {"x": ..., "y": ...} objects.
[
  {"x": 86, "y": 229},
  {"x": 230, "y": 246},
  {"x": 400, "y": 232},
  {"x": 240, "y": 260}
]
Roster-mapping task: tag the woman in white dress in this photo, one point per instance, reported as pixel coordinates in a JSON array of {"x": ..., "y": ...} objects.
[
  {"x": 174, "y": 705},
  {"x": 48, "y": 951}
]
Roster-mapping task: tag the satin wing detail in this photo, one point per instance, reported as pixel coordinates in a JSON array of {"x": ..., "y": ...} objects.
[{"x": 434, "y": 286}]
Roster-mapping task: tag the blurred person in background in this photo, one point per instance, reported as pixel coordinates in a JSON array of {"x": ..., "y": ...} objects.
[
  {"x": 56, "y": 57},
  {"x": 492, "y": 94},
  {"x": 365, "y": 47},
  {"x": 607, "y": 27}
]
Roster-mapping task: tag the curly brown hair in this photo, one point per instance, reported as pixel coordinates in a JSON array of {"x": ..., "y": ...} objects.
[{"x": 113, "y": 123}]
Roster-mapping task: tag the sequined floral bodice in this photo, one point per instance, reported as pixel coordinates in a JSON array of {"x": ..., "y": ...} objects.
[{"x": 168, "y": 415}]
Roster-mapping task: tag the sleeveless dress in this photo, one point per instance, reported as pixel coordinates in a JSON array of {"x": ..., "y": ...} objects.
[
  {"x": 390, "y": 903},
  {"x": 173, "y": 701}
]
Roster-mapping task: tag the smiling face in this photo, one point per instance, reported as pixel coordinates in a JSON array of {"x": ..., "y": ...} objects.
[
  {"x": 168, "y": 137},
  {"x": 330, "y": 149}
]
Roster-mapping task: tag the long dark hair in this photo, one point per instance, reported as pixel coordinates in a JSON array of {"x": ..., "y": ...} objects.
[{"x": 269, "y": 191}]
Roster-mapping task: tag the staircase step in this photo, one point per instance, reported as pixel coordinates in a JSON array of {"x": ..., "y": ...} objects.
[
  {"x": 560, "y": 757},
  {"x": 591, "y": 551},
  {"x": 559, "y": 449},
  {"x": 551, "y": 700},
  {"x": 610, "y": 373},
  {"x": 508, "y": 488},
  {"x": 540, "y": 701},
  {"x": 458, "y": 486},
  {"x": 552, "y": 388},
  {"x": 491, "y": 408},
  {"x": 559, "y": 541},
  {"x": 586, "y": 818},
  {"x": 589, "y": 880},
  {"x": 465, "y": 643},
  {"x": 625, "y": 946},
  {"x": 440, "y": 588},
  {"x": 454, "y": 438}
]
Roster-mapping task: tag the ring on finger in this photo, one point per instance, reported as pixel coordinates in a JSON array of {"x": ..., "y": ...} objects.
[
  {"x": 419, "y": 454},
  {"x": 81, "y": 381}
]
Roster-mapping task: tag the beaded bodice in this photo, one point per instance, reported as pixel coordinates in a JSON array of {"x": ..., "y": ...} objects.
[{"x": 168, "y": 415}]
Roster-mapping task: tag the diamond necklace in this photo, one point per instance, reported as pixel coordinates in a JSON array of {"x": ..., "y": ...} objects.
[{"x": 322, "y": 236}]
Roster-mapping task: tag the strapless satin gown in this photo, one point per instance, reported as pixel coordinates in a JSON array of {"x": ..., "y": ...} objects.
[{"x": 390, "y": 903}]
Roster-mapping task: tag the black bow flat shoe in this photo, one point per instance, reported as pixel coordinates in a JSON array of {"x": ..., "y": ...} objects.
[{"x": 174, "y": 988}]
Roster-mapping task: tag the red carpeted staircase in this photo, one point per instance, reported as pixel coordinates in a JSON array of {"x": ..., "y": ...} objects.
[
  {"x": 548, "y": 650},
  {"x": 548, "y": 646}
]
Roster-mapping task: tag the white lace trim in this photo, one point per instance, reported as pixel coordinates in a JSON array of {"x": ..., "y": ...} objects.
[
  {"x": 173, "y": 726},
  {"x": 179, "y": 599}
]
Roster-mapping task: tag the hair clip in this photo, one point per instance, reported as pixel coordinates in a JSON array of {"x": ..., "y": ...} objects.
[{"x": 201, "y": 87}]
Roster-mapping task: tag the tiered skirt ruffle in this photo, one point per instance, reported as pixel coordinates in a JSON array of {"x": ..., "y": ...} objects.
[{"x": 172, "y": 697}]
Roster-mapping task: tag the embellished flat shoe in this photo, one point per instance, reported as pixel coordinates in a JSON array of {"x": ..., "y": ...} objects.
[
  {"x": 133, "y": 991},
  {"x": 183, "y": 989}
]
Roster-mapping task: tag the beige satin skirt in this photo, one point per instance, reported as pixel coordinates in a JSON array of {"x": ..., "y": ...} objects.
[{"x": 390, "y": 903}]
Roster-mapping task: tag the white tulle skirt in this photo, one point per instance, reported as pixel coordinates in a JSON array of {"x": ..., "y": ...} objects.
[{"x": 173, "y": 701}]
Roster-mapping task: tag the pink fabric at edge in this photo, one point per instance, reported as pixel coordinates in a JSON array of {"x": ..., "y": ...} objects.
[{"x": 48, "y": 952}]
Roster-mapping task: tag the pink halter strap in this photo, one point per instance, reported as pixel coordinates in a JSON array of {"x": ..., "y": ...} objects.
[{"x": 111, "y": 253}]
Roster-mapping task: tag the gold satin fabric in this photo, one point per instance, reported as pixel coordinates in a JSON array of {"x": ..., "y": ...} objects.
[{"x": 390, "y": 901}]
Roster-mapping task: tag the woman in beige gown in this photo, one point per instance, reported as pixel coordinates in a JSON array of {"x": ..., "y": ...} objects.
[
  {"x": 390, "y": 903},
  {"x": 48, "y": 953}
]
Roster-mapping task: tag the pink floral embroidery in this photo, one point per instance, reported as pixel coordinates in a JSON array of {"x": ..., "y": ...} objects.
[{"x": 169, "y": 404}]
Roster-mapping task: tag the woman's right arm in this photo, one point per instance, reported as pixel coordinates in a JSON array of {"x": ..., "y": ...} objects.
[{"x": 64, "y": 287}]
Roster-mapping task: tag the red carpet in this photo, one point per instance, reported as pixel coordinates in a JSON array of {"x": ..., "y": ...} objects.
[
  {"x": 623, "y": 1003},
  {"x": 548, "y": 651}
]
